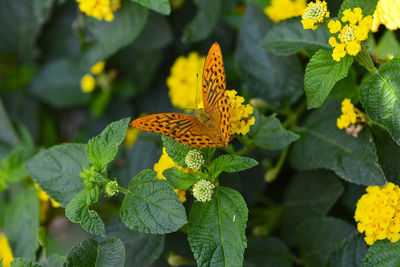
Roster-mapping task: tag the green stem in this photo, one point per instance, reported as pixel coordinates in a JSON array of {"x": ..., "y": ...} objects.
[
  {"x": 292, "y": 118},
  {"x": 274, "y": 172},
  {"x": 123, "y": 190},
  {"x": 248, "y": 144},
  {"x": 364, "y": 59}
]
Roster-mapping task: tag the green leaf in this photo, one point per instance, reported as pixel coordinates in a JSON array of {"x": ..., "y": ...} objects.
[
  {"x": 230, "y": 163},
  {"x": 142, "y": 249},
  {"x": 389, "y": 156},
  {"x": 58, "y": 84},
  {"x": 277, "y": 80},
  {"x": 21, "y": 224},
  {"x": 78, "y": 211},
  {"x": 12, "y": 167},
  {"x": 203, "y": 23},
  {"x": 7, "y": 133},
  {"x": 56, "y": 170},
  {"x": 368, "y": 7},
  {"x": 109, "y": 37},
  {"x": 268, "y": 252},
  {"x": 318, "y": 236},
  {"x": 308, "y": 194},
  {"x": 322, "y": 73},
  {"x": 216, "y": 229},
  {"x": 388, "y": 46},
  {"x": 289, "y": 37},
  {"x": 350, "y": 253},
  {"x": 323, "y": 145},
  {"x": 21, "y": 262},
  {"x": 179, "y": 179},
  {"x": 161, "y": 6},
  {"x": 91, "y": 253},
  {"x": 380, "y": 97},
  {"x": 103, "y": 148},
  {"x": 383, "y": 253},
  {"x": 22, "y": 21},
  {"x": 268, "y": 133},
  {"x": 151, "y": 205}
]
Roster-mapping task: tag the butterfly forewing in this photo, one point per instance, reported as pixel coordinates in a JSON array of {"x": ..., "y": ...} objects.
[{"x": 183, "y": 128}]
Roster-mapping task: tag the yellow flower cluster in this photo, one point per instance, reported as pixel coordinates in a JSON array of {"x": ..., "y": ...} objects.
[
  {"x": 5, "y": 251},
  {"x": 378, "y": 213},
  {"x": 131, "y": 136},
  {"x": 165, "y": 162},
  {"x": 88, "y": 82},
  {"x": 314, "y": 14},
  {"x": 350, "y": 35},
  {"x": 348, "y": 116},
  {"x": 183, "y": 82},
  {"x": 240, "y": 121},
  {"x": 387, "y": 13},
  {"x": 284, "y": 9},
  {"x": 99, "y": 9},
  {"x": 45, "y": 202}
]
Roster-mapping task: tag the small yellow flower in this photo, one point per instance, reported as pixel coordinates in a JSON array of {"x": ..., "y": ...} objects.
[
  {"x": 131, "y": 136},
  {"x": 99, "y": 9},
  {"x": 387, "y": 13},
  {"x": 165, "y": 162},
  {"x": 240, "y": 120},
  {"x": 5, "y": 251},
  {"x": 45, "y": 202},
  {"x": 349, "y": 114},
  {"x": 184, "y": 80},
  {"x": 334, "y": 26},
  {"x": 378, "y": 213},
  {"x": 314, "y": 14},
  {"x": 284, "y": 9},
  {"x": 88, "y": 83},
  {"x": 98, "y": 68}
]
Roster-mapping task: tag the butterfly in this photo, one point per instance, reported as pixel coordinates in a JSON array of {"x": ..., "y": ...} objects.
[{"x": 211, "y": 126}]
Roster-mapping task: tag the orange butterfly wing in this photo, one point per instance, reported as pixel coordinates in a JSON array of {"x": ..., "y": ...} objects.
[
  {"x": 215, "y": 99},
  {"x": 183, "y": 128}
]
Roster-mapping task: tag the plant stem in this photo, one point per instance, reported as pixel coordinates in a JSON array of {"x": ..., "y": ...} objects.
[
  {"x": 364, "y": 59},
  {"x": 292, "y": 118},
  {"x": 123, "y": 190},
  {"x": 274, "y": 172}
]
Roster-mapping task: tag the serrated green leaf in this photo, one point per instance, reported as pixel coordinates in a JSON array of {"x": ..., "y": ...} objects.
[
  {"x": 161, "y": 6},
  {"x": 388, "y": 46},
  {"x": 323, "y": 145},
  {"x": 265, "y": 75},
  {"x": 7, "y": 133},
  {"x": 380, "y": 97},
  {"x": 142, "y": 249},
  {"x": 109, "y": 37},
  {"x": 350, "y": 253},
  {"x": 179, "y": 179},
  {"x": 268, "y": 133},
  {"x": 216, "y": 229},
  {"x": 78, "y": 211},
  {"x": 21, "y": 224},
  {"x": 203, "y": 23},
  {"x": 318, "y": 236},
  {"x": 21, "y": 262},
  {"x": 368, "y": 7},
  {"x": 91, "y": 253},
  {"x": 103, "y": 148},
  {"x": 151, "y": 205},
  {"x": 322, "y": 73},
  {"x": 58, "y": 84},
  {"x": 56, "y": 170},
  {"x": 289, "y": 37},
  {"x": 383, "y": 253},
  {"x": 308, "y": 194},
  {"x": 268, "y": 252},
  {"x": 230, "y": 163}
]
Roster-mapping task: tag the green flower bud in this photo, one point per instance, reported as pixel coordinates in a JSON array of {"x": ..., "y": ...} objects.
[
  {"x": 203, "y": 190},
  {"x": 111, "y": 188},
  {"x": 194, "y": 159}
]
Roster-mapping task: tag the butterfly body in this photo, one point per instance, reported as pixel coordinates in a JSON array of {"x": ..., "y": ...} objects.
[{"x": 211, "y": 125}]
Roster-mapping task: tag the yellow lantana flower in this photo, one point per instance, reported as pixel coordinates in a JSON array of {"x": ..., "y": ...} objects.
[
  {"x": 350, "y": 35},
  {"x": 165, "y": 162},
  {"x": 240, "y": 121},
  {"x": 45, "y": 202},
  {"x": 349, "y": 114},
  {"x": 88, "y": 83},
  {"x": 5, "y": 251},
  {"x": 99, "y": 9},
  {"x": 314, "y": 14},
  {"x": 387, "y": 13},
  {"x": 378, "y": 213},
  {"x": 284, "y": 9},
  {"x": 98, "y": 68},
  {"x": 183, "y": 81}
]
